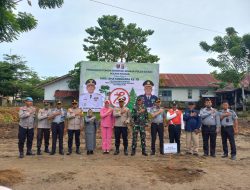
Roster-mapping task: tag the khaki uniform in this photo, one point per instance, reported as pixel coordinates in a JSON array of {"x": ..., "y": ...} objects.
[
  {"x": 74, "y": 122},
  {"x": 43, "y": 121}
]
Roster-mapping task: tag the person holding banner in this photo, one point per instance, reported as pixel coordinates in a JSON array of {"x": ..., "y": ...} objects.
[
  {"x": 122, "y": 119},
  {"x": 176, "y": 123},
  {"x": 139, "y": 119},
  {"x": 157, "y": 125},
  {"x": 148, "y": 98},
  {"x": 90, "y": 100},
  {"x": 107, "y": 124},
  {"x": 192, "y": 127}
]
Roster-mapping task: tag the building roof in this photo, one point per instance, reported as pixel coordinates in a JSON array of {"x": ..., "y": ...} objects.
[
  {"x": 66, "y": 93},
  {"x": 187, "y": 80},
  {"x": 55, "y": 80},
  {"x": 246, "y": 81}
]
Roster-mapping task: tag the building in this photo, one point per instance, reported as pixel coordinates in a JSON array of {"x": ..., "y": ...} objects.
[
  {"x": 187, "y": 87},
  {"x": 58, "y": 89}
]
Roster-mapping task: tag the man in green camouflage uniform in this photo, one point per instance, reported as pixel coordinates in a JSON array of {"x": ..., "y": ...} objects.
[{"x": 139, "y": 121}]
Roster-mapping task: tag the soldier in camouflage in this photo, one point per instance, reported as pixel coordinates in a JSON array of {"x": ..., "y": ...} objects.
[{"x": 139, "y": 121}]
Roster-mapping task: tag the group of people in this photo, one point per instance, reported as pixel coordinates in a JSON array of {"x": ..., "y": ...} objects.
[{"x": 207, "y": 121}]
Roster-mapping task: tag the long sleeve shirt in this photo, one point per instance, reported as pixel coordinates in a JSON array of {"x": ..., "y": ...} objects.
[
  {"x": 107, "y": 119},
  {"x": 43, "y": 121},
  {"x": 209, "y": 116},
  {"x": 27, "y": 117},
  {"x": 191, "y": 122},
  {"x": 59, "y": 118},
  {"x": 121, "y": 119}
]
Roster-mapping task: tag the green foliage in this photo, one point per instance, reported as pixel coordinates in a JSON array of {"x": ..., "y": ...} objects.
[
  {"x": 112, "y": 40},
  {"x": 105, "y": 89},
  {"x": 233, "y": 53},
  {"x": 12, "y": 23},
  {"x": 75, "y": 73},
  {"x": 133, "y": 97}
]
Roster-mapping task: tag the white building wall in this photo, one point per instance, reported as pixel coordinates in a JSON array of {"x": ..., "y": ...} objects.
[
  {"x": 49, "y": 91},
  {"x": 181, "y": 94}
]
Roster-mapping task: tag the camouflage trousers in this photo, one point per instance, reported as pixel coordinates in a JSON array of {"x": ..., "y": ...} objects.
[{"x": 139, "y": 129}]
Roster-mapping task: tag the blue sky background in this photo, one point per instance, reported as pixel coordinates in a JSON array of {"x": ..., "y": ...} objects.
[{"x": 55, "y": 45}]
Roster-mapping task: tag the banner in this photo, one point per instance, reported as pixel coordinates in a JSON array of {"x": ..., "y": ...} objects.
[{"x": 100, "y": 81}]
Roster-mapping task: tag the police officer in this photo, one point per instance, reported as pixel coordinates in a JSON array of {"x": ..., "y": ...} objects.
[
  {"x": 157, "y": 125},
  {"x": 148, "y": 98},
  {"x": 192, "y": 127},
  {"x": 139, "y": 119},
  {"x": 26, "y": 127},
  {"x": 176, "y": 123},
  {"x": 91, "y": 100},
  {"x": 57, "y": 126},
  {"x": 210, "y": 121},
  {"x": 229, "y": 127},
  {"x": 122, "y": 119},
  {"x": 43, "y": 128},
  {"x": 74, "y": 116}
]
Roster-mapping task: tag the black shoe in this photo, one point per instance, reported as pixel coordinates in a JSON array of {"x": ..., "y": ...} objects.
[
  {"x": 233, "y": 157},
  {"x": 39, "y": 152},
  {"x": 224, "y": 156},
  {"x": 61, "y": 152},
  {"x": 126, "y": 152},
  {"x": 21, "y": 155},
  {"x": 152, "y": 153},
  {"x": 195, "y": 154},
  {"x": 205, "y": 155},
  {"x": 88, "y": 153},
  {"x": 46, "y": 150},
  {"x": 144, "y": 153},
  {"x": 30, "y": 153},
  {"x": 188, "y": 153},
  {"x": 213, "y": 155},
  {"x": 78, "y": 151},
  {"x": 162, "y": 153},
  {"x": 91, "y": 152},
  {"x": 132, "y": 152},
  {"x": 52, "y": 153},
  {"x": 116, "y": 152},
  {"x": 69, "y": 153}
]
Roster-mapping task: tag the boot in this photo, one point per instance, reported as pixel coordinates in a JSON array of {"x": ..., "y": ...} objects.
[
  {"x": 117, "y": 151},
  {"x": 30, "y": 153},
  {"x": 21, "y": 155},
  {"x": 69, "y": 151},
  {"x": 61, "y": 152},
  {"x": 78, "y": 150},
  {"x": 144, "y": 152},
  {"x": 39, "y": 151},
  {"x": 133, "y": 152},
  {"x": 125, "y": 151},
  {"x": 46, "y": 149}
]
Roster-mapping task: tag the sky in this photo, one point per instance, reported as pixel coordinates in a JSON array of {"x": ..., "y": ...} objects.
[{"x": 55, "y": 46}]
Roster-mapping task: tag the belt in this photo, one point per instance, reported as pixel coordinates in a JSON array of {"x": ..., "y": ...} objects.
[
  {"x": 157, "y": 123},
  {"x": 209, "y": 125},
  {"x": 57, "y": 123},
  {"x": 227, "y": 126}
]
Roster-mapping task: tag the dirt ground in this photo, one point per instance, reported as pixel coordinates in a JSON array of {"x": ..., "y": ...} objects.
[{"x": 100, "y": 171}]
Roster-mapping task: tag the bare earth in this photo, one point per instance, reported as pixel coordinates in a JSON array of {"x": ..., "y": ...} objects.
[{"x": 100, "y": 171}]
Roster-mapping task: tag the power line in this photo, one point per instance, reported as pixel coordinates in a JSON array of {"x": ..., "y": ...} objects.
[{"x": 156, "y": 17}]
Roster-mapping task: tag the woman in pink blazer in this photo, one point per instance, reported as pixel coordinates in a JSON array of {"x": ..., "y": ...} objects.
[{"x": 107, "y": 124}]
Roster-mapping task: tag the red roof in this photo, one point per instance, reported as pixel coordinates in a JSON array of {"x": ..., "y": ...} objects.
[
  {"x": 187, "y": 80},
  {"x": 66, "y": 93}
]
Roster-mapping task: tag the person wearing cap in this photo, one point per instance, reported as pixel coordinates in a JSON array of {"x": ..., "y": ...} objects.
[
  {"x": 229, "y": 128},
  {"x": 58, "y": 116},
  {"x": 74, "y": 116},
  {"x": 27, "y": 115},
  {"x": 122, "y": 119},
  {"x": 157, "y": 126},
  {"x": 107, "y": 124},
  {"x": 210, "y": 121},
  {"x": 91, "y": 125},
  {"x": 91, "y": 100},
  {"x": 140, "y": 118},
  {"x": 192, "y": 120},
  {"x": 43, "y": 128},
  {"x": 148, "y": 98},
  {"x": 176, "y": 123}
]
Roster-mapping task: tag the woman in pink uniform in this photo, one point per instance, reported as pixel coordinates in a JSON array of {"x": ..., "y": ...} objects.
[{"x": 107, "y": 124}]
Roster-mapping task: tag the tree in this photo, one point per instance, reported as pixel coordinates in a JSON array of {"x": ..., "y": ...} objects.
[
  {"x": 12, "y": 24},
  {"x": 74, "y": 83},
  {"x": 112, "y": 40},
  {"x": 233, "y": 54},
  {"x": 132, "y": 97}
]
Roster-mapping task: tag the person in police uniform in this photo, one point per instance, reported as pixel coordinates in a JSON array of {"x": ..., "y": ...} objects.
[
  {"x": 58, "y": 115},
  {"x": 74, "y": 116},
  {"x": 148, "y": 98},
  {"x": 91, "y": 100},
  {"x": 209, "y": 121},
  {"x": 27, "y": 115},
  {"x": 43, "y": 128},
  {"x": 229, "y": 127}
]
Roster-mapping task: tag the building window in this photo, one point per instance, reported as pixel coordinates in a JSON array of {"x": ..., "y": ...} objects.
[
  {"x": 203, "y": 92},
  {"x": 190, "y": 94},
  {"x": 166, "y": 95}
]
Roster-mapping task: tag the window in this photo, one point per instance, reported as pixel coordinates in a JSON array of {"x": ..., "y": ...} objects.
[
  {"x": 190, "y": 93},
  {"x": 166, "y": 95},
  {"x": 203, "y": 92}
]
